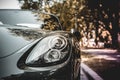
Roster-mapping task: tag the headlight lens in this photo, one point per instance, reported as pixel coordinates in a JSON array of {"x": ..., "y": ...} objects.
[
  {"x": 49, "y": 50},
  {"x": 52, "y": 56},
  {"x": 58, "y": 42}
]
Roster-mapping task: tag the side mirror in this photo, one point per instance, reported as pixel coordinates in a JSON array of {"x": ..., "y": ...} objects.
[{"x": 51, "y": 19}]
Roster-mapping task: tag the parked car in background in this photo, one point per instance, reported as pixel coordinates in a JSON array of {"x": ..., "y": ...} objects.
[{"x": 34, "y": 47}]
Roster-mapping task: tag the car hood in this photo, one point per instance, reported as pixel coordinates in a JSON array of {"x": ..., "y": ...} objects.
[{"x": 14, "y": 38}]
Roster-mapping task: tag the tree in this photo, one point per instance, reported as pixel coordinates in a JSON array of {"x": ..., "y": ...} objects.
[{"x": 108, "y": 14}]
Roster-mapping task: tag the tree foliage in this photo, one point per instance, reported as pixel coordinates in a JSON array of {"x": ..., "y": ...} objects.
[
  {"x": 106, "y": 19},
  {"x": 95, "y": 19}
]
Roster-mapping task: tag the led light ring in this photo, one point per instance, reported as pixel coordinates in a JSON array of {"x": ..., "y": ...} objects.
[
  {"x": 47, "y": 56},
  {"x": 56, "y": 38},
  {"x": 58, "y": 42}
]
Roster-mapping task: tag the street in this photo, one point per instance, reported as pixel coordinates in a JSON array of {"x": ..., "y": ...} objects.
[{"x": 102, "y": 64}]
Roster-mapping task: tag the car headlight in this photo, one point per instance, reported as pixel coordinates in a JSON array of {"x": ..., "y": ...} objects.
[{"x": 50, "y": 50}]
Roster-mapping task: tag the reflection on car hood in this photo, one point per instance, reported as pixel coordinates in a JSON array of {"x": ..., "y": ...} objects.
[
  {"x": 15, "y": 38},
  {"x": 30, "y": 25}
]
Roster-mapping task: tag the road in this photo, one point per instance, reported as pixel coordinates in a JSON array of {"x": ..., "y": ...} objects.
[{"x": 100, "y": 64}]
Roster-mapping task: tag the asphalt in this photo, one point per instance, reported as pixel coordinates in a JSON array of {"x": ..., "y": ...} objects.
[{"x": 86, "y": 72}]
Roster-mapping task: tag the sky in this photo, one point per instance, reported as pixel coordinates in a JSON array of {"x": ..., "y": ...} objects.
[{"x": 9, "y": 4}]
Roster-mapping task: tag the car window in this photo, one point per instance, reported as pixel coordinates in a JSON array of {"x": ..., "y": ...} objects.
[
  {"x": 27, "y": 18},
  {"x": 13, "y": 17}
]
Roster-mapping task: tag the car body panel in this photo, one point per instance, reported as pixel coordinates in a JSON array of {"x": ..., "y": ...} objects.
[
  {"x": 12, "y": 39},
  {"x": 12, "y": 43}
]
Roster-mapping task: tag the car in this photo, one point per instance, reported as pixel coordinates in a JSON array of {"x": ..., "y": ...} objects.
[{"x": 34, "y": 46}]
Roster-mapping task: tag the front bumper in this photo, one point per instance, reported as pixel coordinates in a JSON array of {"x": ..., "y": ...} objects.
[{"x": 63, "y": 73}]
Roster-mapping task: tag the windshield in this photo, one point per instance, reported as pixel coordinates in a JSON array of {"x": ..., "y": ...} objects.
[{"x": 27, "y": 18}]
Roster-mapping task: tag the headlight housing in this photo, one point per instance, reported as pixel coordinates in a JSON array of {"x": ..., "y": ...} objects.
[{"x": 50, "y": 50}]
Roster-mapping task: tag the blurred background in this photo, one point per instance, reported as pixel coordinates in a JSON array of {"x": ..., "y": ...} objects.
[{"x": 97, "y": 20}]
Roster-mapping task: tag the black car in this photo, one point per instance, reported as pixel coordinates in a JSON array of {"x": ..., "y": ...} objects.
[{"x": 33, "y": 46}]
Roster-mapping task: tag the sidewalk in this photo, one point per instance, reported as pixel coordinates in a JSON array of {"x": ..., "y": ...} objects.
[
  {"x": 107, "y": 54},
  {"x": 100, "y": 51}
]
